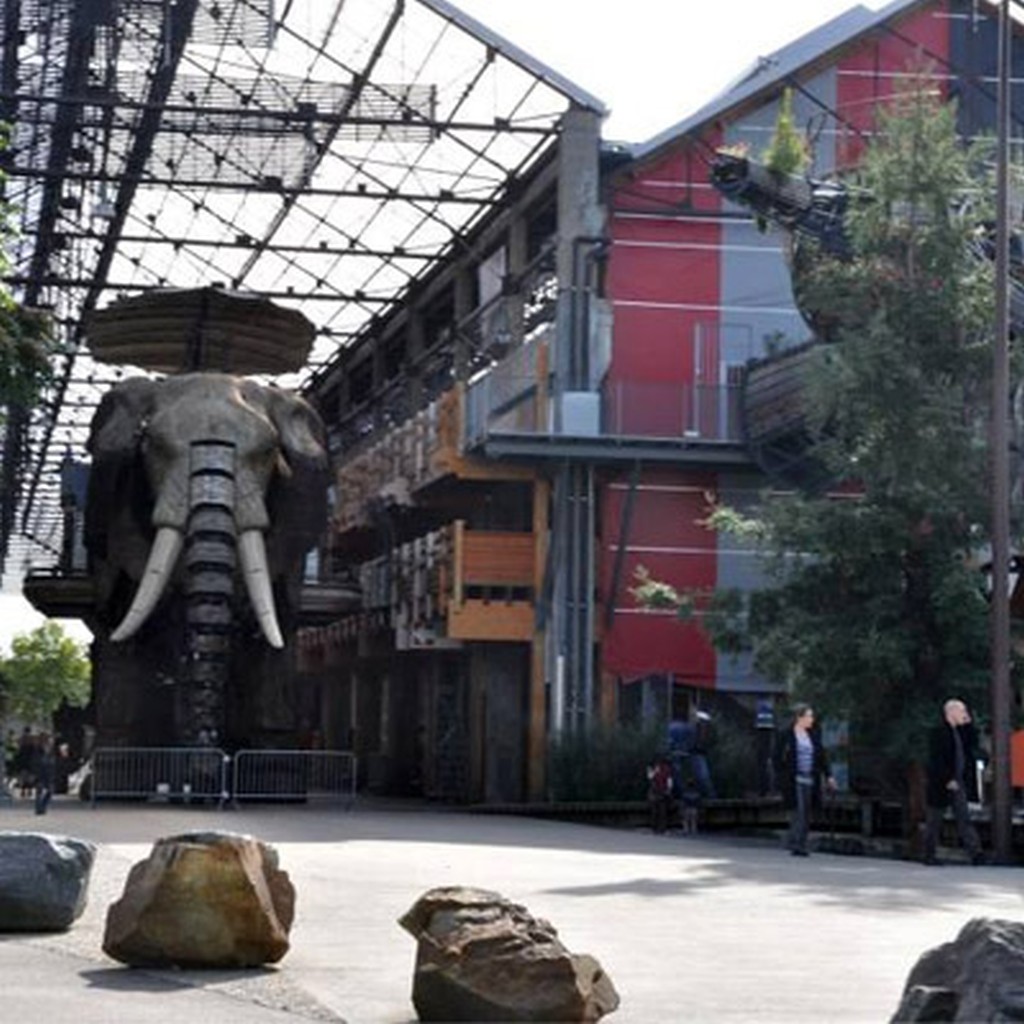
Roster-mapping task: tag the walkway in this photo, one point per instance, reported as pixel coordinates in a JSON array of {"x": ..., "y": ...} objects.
[{"x": 702, "y": 929}]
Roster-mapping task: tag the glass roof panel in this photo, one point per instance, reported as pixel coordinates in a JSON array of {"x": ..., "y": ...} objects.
[{"x": 324, "y": 152}]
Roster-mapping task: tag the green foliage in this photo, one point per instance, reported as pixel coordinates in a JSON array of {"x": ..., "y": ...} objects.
[
  {"x": 654, "y": 594},
  {"x": 787, "y": 153},
  {"x": 26, "y": 345},
  {"x": 603, "y": 763},
  {"x": 46, "y": 667},
  {"x": 26, "y": 335}
]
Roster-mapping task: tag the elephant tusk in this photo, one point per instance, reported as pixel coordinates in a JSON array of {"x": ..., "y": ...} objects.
[
  {"x": 162, "y": 557},
  {"x": 252, "y": 553}
]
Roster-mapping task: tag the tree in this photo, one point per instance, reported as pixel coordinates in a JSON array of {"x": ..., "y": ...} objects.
[
  {"x": 46, "y": 667},
  {"x": 788, "y": 152},
  {"x": 26, "y": 335},
  {"x": 875, "y": 610}
]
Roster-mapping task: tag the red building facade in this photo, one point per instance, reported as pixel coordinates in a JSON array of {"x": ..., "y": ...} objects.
[{"x": 697, "y": 291}]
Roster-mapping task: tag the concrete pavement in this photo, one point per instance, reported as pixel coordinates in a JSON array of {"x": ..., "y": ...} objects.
[{"x": 700, "y": 929}]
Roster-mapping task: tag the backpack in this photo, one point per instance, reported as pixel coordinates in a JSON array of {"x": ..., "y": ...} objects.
[{"x": 659, "y": 779}]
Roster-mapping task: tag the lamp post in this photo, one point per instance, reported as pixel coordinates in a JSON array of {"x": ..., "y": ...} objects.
[{"x": 1002, "y": 820}]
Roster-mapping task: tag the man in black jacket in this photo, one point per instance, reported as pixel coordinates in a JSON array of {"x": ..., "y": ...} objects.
[{"x": 951, "y": 780}]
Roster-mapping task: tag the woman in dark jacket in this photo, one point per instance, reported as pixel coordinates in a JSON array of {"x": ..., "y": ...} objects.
[{"x": 800, "y": 764}]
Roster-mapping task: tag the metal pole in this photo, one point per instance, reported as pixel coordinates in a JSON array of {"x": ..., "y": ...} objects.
[{"x": 1000, "y": 685}]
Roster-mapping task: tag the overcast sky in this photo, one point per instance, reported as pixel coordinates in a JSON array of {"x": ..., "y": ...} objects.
[{"x": 651, "y": 62}]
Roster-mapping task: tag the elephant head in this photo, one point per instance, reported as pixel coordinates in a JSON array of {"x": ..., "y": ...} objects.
[{"x": 142, "y": 493}]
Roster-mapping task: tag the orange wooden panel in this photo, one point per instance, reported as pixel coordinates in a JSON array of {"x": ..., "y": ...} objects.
[
  {"x": 1017, "y": 758},
  {"x": 492, "y": 558},
  {"x": 491, "y": 620}
]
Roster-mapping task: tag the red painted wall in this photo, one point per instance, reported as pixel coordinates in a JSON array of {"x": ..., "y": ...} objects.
[
  {"x": 660, "y": 292},
  {"x": 665, "y": 537},
  {"x": 867, "y": 75}
]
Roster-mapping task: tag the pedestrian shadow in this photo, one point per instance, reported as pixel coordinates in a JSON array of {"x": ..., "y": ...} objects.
[
  {"x": 867, "y": 883},
  {"x": 651, "y": 888}
]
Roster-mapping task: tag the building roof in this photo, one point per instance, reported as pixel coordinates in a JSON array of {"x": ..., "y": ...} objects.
[
  {"x": 772, "y": 70},
  {"x": 325, "y": 154}
]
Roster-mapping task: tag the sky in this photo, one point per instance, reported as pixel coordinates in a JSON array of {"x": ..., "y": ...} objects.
[{"x": 652, "y": 63}]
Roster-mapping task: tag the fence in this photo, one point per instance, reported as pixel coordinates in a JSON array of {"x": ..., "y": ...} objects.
[
  {"x": 294, "y": 775},
  {"x": 188, "y": 775},
  {"x": 178, "y": 774}
]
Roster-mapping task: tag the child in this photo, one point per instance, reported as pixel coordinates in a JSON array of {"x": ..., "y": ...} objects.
[
  {"x": 690, "y": 804},
  {"x": 659, "y": 792}
]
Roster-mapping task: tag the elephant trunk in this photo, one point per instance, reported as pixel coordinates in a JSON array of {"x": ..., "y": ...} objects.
[{"x": 212, "y": 471}]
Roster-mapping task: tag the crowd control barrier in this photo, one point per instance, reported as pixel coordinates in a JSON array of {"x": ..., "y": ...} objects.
[
  {"x": 286, "y": 775},
  {"x": 159, "y": 774},
  {"x": 202, "y": 775}
]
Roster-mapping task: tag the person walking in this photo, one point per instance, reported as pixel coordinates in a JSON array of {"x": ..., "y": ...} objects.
[
  {"x": 44, "y": 767},
  {"x": 764, "y": 744},
  {"x": 801, "y": 763},
  {"x": 952, "y": 782},
  {"x": 23, "y": 761}
]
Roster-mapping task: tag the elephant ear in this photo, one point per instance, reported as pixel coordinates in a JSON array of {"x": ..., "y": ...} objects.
[
  {"x": 114, "y": 479},
  {"x": 297, "y": 499}
]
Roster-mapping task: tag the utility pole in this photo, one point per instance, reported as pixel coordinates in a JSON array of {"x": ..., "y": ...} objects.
[{"x": 1002, "y": 812}]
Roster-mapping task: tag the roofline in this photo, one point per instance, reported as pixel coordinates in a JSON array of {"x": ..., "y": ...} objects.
[
  {"x": 749, "y": 87},
  {"x": 517, "y": 56}
]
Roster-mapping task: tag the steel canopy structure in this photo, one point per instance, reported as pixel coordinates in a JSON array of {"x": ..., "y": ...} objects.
[{"x": 324, "y": 154}]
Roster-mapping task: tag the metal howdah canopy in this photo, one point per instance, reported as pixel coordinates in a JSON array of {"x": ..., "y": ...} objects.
[{"x": 319, "y": 154}]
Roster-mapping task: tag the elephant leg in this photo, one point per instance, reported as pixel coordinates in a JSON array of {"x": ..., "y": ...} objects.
[{"x": 210, "y": 557}]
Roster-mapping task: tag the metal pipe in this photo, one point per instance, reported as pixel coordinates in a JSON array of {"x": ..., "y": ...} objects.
[{"x": 1000, "y": 684}]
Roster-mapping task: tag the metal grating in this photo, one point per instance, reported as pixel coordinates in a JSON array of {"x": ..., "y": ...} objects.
[{"x": 319, "y": 152}]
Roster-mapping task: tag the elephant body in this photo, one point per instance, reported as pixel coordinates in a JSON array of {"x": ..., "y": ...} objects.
[{"x": 205, "y": 493}]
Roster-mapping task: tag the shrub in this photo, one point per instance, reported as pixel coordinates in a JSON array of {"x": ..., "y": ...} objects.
[{"x": 604, "y": 763}]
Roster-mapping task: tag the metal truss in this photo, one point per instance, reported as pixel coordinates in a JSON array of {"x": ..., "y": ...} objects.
[{"x": 324, "y": 153}]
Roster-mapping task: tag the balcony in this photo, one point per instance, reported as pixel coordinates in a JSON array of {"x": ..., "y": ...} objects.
[
  {"x": 493, "y": 576},
  {"x": 508, "y": 412},
  {"x": 511, "y": 412},
  {"x": 441, "y": 589},
  {"x": 656, "y": 409}
]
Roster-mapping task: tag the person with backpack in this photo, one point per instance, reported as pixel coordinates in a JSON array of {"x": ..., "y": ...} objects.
[{"x": 689, "y": 743}]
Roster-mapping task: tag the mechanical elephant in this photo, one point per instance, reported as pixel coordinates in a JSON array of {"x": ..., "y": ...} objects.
[{"x": 206, "y": 492}]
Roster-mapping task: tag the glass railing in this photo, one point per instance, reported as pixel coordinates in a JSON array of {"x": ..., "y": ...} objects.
[
  {"x": 512, "y": 404},
  {"x": 658, "y": 409}
]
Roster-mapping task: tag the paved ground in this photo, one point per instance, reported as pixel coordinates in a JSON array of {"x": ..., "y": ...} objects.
[{"x": 699, "y": 929}]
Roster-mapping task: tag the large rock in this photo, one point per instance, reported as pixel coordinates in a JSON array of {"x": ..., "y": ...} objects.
[
  {"x": 203, "y": 899},
  {"x": 481, "y": 958},
  {"x": 977, "y": 976},
  {"x": 44, "y": 881}
]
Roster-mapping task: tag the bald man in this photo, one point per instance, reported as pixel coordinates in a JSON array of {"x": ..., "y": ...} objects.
[{"x": 952, "y": 780}]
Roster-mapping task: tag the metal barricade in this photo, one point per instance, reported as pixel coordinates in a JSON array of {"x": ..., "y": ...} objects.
[
  {"x": 160, "y": 774},
  {"x": 278, "y": 775}
]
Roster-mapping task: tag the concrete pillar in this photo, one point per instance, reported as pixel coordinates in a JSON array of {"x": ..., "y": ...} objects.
[{"x": 580, "y": 218}]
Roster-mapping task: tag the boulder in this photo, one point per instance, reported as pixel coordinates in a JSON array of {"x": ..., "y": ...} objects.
[
  {"x": 480, "y": 957},
  {"x": 203, "y": 899},
  {"x": 44, "y": 881},
  {"x": 977, "y": 976}
]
